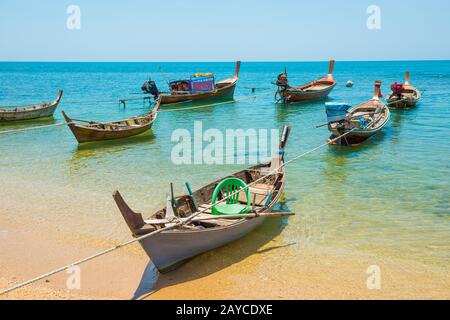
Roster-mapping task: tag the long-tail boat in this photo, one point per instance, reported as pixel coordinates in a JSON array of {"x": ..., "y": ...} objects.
[
  {"x": 314, "y": 90},
  {"x": 201, "y": 86},
  {"x": 41, "y": 110},
  {"x": 88, "y": 131},
  {"x": 358, "y": 123},
  {"x": 250, "y": 196},
  {"x": 403, "y": 95}
]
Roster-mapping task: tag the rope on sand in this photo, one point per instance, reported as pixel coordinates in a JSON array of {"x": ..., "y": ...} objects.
[{"x": 175, "y": 225}]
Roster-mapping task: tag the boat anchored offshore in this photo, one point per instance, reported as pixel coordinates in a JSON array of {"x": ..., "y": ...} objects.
[
  {"x": 358, "y": 123},
  {"x": 31, "y": 112},
  {"x": 97, "y": 131},
  {"x": 218, "y": 213},
  {"x": 201, "y": 86},
  {"x": 403, "y": 95},
  {"x": 314, "y": 90}
]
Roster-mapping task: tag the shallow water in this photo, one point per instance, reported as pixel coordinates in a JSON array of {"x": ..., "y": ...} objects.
[{"x": 386, "y": 197}]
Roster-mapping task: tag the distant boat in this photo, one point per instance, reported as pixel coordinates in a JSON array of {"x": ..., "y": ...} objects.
[
  {"x": 201, "y": 86},
  {"x": 216, "y": 225},
  {"x": 98, "y": 131},
  {"x": 358, "y": 123},
  {"x": 314, "y": 90},
  {"x": 42, "y": 110},
  {"x": 404, "y": 95}
]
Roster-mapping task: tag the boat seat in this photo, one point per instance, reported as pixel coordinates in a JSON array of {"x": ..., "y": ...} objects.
[{"x": 231, "y": 188}]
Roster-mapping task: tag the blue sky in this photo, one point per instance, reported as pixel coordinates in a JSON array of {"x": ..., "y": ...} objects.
[{"x": 198, "y": 30}]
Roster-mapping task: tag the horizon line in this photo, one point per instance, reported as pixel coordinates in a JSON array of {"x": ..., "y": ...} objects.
[{"x": 226, "y": 61}]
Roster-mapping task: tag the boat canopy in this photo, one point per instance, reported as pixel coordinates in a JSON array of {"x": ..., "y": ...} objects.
[
  {"x": 336, "y": 111},
  {"x": 200, "y": 82}
]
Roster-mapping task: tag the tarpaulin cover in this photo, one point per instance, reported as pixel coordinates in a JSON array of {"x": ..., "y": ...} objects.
[{"x": 336, "y": 111}]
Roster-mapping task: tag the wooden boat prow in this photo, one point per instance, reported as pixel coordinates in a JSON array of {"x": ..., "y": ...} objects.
[
  {"x": 205, "y": 231},
  {"x": 31, "y": 112},
  {"x": 97, "y": 131},
  {"x": 224, "y": 89},
  {"x": 314, "y": 90},
  {"x": 409, "y": 97}
]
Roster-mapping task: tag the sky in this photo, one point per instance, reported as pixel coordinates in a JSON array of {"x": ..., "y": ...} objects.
[{"x": 200, "y": 30}]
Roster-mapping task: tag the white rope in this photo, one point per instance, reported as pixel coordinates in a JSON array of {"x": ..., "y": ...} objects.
[
  {"x": 208, "y": 105},
  {"x": 33, "y": 128},
  {"x": 178, "y": 109},
  {"x": 187, "y": 220}
]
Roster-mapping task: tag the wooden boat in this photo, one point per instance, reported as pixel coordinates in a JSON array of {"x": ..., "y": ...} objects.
[
  {"x": 31, "y": 112},
  {"x": 314, "y": 90},
  {"x": 221, "y": 90},
  {"x": 207, "y": 231},
  {"x": 98, "y": 131},
  {"x": 407, "y": 97},
  {"x": 360, "y": 122}
]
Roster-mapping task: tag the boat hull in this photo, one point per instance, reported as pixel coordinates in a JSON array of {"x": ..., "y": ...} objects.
[
  {"x": 220, "y": 93},
  {"x": 169, "y": 249},
  {"x": 357, "y": 136},
  {"x": 402, "y": 104},
  {"x": 83, "y": 134},
  {"x": 29, "y": 113},
  {"x": 297, "y": 95}
]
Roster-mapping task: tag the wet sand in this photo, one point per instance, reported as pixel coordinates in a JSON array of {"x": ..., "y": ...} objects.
[{"x": 237, "y": 271}]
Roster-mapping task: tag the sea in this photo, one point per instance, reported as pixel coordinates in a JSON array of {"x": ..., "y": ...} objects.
[{"x": 388, "y": 197}]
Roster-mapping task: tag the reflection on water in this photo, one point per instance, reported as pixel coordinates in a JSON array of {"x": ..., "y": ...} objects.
[
  {"x": 25, "y": 124},
  {"x": 101, "y": 152}
]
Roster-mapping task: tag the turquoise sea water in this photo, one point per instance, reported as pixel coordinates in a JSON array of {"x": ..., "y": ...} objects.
[{"x": 386, "y": 197}]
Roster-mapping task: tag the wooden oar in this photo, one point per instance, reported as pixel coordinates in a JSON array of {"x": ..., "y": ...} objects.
[{"x": 231, "y": 216}]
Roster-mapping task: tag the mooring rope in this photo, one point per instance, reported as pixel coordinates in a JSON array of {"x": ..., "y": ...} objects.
[
  {"x": 12, "y": 107},
  {"x": 178, "y": 109},
  {"x": 183, "y": 222},
  {"x": 37, "y": 127},
  {"x": 209, "y": 105}
]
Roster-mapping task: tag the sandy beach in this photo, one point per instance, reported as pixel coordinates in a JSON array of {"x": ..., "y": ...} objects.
[{"x": 236, "y": 271}]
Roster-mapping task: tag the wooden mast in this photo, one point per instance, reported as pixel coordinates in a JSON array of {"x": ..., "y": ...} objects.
[
  {"x": 238, "y": 67},
  {"x": 407, "y": 78},
  {"x": 377, "y": 94},
  {"x": 330, "y": 69}
]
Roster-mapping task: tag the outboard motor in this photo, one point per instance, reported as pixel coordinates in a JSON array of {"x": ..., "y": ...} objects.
[
  {"x": 150, "y": 88},
  {"x": 282, "y": 80}
]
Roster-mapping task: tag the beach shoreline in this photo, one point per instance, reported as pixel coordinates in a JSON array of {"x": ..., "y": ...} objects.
[{"x": 225, "y": 273}]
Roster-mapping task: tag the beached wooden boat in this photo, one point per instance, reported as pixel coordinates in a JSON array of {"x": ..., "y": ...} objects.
[
  {"x": 403, "y": 95},
  {"x": 87, "y": 131},
  {"x": 31, "y": 112},
  {"x": 314, "y": 90},
  {"x": 358, "y": 123},
  {"x": 207, "y": 230},
  {"x": 207, "y": 89}
]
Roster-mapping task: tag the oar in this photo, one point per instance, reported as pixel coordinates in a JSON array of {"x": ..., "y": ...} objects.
[
  {"x": 188, "y": 186},
  {"x": 230, "y": 216},
  {"x": 174, "y": 201}
]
